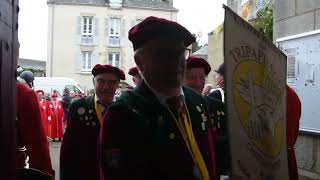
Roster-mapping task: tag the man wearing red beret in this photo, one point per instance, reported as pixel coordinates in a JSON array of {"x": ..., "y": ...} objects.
[
  {"x": 136, "y": 78},
  {"x": 160, "y": 130},
  {"x": 196, "y": 73},
  {"x": 78, "y": 157}
]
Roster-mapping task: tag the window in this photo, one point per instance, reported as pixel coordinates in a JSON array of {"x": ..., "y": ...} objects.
[
  {"x": 87, "y": 30},
  {"x": 114, "y": 59},
  {"x": 114, "y": 32},
  {"x": 116, "y": 4},
  {"x": 86, "y": 63}
]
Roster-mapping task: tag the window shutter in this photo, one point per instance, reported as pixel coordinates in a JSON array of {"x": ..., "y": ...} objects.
[
  {"x": 77, "y": 61},
  {"x": 107, "y": 21},
  {"x": 123, "y": 37},
  {"x": 95, "y": 59},
  {"x": 96, "y": 26},
  {"x": 79, "y": 25}
]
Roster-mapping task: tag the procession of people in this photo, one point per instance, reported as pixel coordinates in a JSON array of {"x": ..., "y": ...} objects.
[{"x": 169, "y": 126}]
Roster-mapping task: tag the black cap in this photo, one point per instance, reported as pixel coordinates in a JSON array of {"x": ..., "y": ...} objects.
[{"x": 220, "y": 69}]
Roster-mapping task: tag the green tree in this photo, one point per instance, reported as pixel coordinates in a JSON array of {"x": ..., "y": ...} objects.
[
  {"x": 264, "y": 21},
  {"x": 195, "y": 46}
]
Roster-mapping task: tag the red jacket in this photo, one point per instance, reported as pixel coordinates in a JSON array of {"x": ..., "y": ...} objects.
[
  {"x": 293, "y": 117},
  {"x": 30, "y": 131}
]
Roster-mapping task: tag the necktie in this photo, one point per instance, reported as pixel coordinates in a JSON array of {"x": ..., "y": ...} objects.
[
  {"x": 175, "y": 104},
  {"x": 183, "y": 121}
]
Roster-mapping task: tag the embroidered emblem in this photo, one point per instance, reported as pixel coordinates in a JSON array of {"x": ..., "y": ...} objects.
[
  {"x": 87, "y": 123},
  {"x": 112, "y": 158},
  {"x": 90, "y": 117},
  {"x": 81, "y": 111},
  {"x": 222, "y": 113},
  {"x": 81, "y": 118},
  {"x": 218, "y": 113},
  {"x": 86, "y": 118},
  {"x": 94, "y": 123},
  {"x": 172, "y": 136},
  {"x": 90, "y": 111}
]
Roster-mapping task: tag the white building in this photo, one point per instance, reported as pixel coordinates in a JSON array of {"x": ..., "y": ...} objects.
[{"x": 82, "y": 33}]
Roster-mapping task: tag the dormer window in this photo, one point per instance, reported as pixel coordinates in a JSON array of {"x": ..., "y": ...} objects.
[{"x": 115, "y": 4}]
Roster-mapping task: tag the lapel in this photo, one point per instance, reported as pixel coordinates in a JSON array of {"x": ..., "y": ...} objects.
[
  {"x": 197, "y": 109},
  {"x": 90, "y": 100}
]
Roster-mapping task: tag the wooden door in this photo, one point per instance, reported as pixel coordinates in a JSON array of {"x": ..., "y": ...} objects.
[{"x": 8, "y": 62}]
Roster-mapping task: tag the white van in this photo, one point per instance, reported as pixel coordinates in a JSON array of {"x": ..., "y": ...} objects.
[{"x": 48, "y": 84}]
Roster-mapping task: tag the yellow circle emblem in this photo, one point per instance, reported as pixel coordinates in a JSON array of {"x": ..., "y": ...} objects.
[{"x": 258, "y": 102}]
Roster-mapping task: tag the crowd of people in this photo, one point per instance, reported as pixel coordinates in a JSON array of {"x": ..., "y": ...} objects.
[{"x": 170, "y": 126}]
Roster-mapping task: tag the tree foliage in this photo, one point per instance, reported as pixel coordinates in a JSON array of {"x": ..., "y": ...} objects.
[
  {"x": 264, "y": 21},
  {"x": 195, "y": 46}
]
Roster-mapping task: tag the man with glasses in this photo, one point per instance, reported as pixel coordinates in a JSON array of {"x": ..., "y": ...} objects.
[
  {"x": 78, "y": 158},
  {"x": 160, "y": 130}
]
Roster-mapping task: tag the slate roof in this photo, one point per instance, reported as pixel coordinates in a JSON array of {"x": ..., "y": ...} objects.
[
  {"x": 31, "y": 63},
  {"x": 154, "y": 4}
]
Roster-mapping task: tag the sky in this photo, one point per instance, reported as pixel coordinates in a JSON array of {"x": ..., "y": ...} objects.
[{"x": 198, "y": 16}]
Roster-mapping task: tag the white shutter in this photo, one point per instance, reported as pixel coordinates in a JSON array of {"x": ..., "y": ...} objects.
[
  {"x": 96, "y": 26},
  {"x": 95, "y": 59},
  {"x": 77, "y": 61},
  {"x": 107, "y": 21},
  {"x": 79, "y": 25},
  {"x": 123, "y": 37}
]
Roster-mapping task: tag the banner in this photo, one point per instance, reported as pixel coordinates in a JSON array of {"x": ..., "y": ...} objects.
[{"x": 256, "y": 102}]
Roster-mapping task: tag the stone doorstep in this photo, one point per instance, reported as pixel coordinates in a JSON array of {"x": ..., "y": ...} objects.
[{"x": 308, "y": 174}]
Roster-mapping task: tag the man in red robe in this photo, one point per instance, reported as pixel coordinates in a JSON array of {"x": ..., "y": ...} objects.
[
  {"x": 56, "y": 118},
  {"x": 293, "y": 118},
  {"x": 45, "y": 111},
  {"x": 30, "y": 132}
]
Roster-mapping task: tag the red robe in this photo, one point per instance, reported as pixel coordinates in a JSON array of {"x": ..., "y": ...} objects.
[
  {"x": 45, "y": 114},
  {"x": 293, "y": 117},
  {"x": 56, "y": 119},
  {"x": 30, "y": 131}
]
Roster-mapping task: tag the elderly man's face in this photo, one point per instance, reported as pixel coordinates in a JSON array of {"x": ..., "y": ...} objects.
[
  {"x": 105, "y": 85},
  {"x": 195, "y": 79},
  {"x": 162, "y": 63}
]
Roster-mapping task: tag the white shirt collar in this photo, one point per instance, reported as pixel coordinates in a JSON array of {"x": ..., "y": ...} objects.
[{"x": 162, "y": 98}]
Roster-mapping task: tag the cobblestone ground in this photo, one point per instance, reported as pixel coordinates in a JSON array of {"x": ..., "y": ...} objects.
[{"x": 55, "y": 155}]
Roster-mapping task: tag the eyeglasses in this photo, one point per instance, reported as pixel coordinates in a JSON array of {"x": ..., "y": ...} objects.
[
  {"x": 102, "y": 82},
  {"x": 168, "y": 52}
]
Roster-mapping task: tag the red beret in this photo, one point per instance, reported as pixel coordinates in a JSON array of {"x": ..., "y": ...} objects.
[
  {"x": 154, "y": 27},
  {"x": 133, "y": 71},
  {"x": 196, "y": 62},
  {"x": 98, "y": 69}
]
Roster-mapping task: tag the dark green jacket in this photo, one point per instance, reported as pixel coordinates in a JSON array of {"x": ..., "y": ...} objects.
[{"x": 140, "y": 140}]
